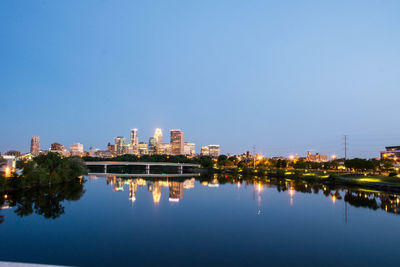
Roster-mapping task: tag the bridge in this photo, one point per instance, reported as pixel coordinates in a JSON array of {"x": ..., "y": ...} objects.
[{"x": 147, "y": 166}]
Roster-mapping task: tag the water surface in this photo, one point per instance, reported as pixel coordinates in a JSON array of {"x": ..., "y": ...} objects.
[{"x": 110, "y": 221}]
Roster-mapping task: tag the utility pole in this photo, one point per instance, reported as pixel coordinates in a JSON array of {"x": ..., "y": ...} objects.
[
  {"x": 254, "y": 156},
  {"x": 345, "y": 147}
]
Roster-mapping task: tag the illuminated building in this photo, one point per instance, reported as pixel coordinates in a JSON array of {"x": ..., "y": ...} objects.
[
  {"x": 57, "y": 147},
  {"x": 119, "y": 145},
  {"x": 142, "y": 147},
  {"x": 177, "y": 142},
  {"x": 10, "y": 163},
  {"x": 214, "y": 150},
  {"x": 175, "y": 191},
  {"x": 152, "y": 145},
  {"x": 134, "y": 137},
  {"x": 110, "y": 147},
  {"x": 35, "y": 145},
  {"x": 132, "y": 149},
  {"x": 76, "y": 149},
  {"x": 188, "y": 184},
  {"x": 392, "y": 152},
  {"x": 156, "y": 192},
  {"x": 189, "y": 149},
  {"x": 164, "y": 149},
  {"x": 132, "y": 190},
  {"x": 205, "y": 151},
  {"x": 316, "y": 158},
  {"x": 158, "y": 137}
]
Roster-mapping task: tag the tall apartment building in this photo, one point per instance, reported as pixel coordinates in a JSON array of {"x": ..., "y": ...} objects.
[
  {"x": 177, "y": 142},
  {"x": 35, "y": 145}
]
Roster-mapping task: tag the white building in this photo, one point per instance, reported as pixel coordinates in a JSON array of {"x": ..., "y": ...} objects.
[
  {"x": 76, "y": 149},
  {"x": 189, "y": 149}
]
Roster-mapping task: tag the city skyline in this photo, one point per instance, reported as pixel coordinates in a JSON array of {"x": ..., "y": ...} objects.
[
  {"x": 285, "y": 78},
  {"x": 135, "y": 137}
]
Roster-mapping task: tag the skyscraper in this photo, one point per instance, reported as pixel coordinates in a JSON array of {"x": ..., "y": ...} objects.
[
  {"x": 134, "y": 137},
  {"x": 158, "y": 136},
  {"x": 152, "y": 145},
  {"x": 35, "y": 145},
  {"x": 177, "y": 142},
  {"x": 119, "y": 145}
]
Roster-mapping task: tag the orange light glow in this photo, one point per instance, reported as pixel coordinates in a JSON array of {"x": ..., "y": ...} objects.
[
  {"x": 259, "y": 187},
  {"x": 333, "y": 199},
  {"x": 7, "y": 172},
  {"x": 291, "y": 191}
]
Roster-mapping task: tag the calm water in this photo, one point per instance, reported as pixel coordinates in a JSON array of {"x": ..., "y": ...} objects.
[{"x": 113, "y": 221}]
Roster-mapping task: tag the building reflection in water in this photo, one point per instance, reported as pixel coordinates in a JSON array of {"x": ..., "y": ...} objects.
[
  {"x": 153, "y": 186},
  {"x": 375, "y": 200}
]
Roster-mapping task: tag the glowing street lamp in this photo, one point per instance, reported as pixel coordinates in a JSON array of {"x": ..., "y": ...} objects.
[{"x": 333, "y": 157}]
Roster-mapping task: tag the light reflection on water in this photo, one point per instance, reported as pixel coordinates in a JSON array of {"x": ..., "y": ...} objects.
[{"x": 215, "y": 220}]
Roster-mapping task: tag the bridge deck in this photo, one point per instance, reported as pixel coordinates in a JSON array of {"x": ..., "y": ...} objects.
[
  {"x": 142, "y": 163},
  {"x": 145, "y": 175}
]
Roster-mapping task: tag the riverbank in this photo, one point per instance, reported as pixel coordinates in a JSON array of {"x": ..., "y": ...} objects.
[{"x": 357, "y": 181}]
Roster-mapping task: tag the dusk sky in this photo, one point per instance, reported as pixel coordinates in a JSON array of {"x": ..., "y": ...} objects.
[{"x": 283, "y": 76}]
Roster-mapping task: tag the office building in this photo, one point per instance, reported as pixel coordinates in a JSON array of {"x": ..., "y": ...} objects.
[
  {"x": 214, "y": 151},
  {"x": 158, "y": 136},
  {"x": 142, "y": 147},
  {"x": 152, "y": 145},
  {"x": 164, "y": 149},
  {"x": 189, "y": 149},
  {"x": 134, "y": 137},
  {"x": 35, "y": 145},
  {"x": 205, "y": 151},
  {"x": 177, "y": 142},
  {"x": 76, "y": 149},
  {"x": 119, "y": 145}
]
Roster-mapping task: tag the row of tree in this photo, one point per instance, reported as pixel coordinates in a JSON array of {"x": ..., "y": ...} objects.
[{"x": 44, "y": 169}]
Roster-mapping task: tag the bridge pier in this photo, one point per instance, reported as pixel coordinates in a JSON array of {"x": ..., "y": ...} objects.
[
  {"x": 147, "y": 169},
  {"x": 105, "y": 168},
  {"x": 180, "y": 169}
]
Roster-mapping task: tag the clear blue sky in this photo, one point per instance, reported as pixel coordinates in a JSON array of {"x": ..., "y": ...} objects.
[{"x": 285, "y": 76}]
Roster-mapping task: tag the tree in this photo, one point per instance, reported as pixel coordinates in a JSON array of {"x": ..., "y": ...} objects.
[{"x": 206, "y": 162}]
